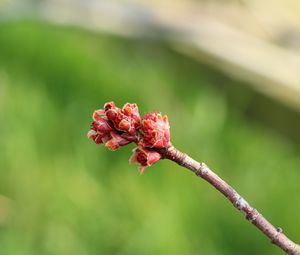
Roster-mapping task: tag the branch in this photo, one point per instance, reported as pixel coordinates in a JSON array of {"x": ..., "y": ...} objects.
[
  {"x": 200, "y": 169},
  {"x": 116, "y": 127}
]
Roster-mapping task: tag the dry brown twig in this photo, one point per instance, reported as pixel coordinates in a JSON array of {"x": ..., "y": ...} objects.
[{"x": 276, "y": 235}]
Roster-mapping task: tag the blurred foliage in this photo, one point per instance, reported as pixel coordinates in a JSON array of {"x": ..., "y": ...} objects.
[{"x": 69, "y": 196}]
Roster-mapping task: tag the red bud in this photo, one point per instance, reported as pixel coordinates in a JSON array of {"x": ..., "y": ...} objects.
[{"x": 144, "y": 157}]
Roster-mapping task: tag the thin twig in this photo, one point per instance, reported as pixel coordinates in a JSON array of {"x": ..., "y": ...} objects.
[
  {"x": 118, "y": 127},
  {"x": 257, "y": 219}
]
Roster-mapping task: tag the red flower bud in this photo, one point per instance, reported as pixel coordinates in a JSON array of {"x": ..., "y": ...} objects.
[
  {"x": 115, "y": 127},
  {"x": 113, "y": 113},
  {"x": 101, "y": 128},
  {"x": 98, "y": 114},
  {"x": 144, "y": 157},
  {"x": 156, "y": 130},
  {"x": 98, "y": 137},
  {"x": 132, "y": 110},
  {"x": 116, "y": 141},
  {"x": 126, "y": 120}
]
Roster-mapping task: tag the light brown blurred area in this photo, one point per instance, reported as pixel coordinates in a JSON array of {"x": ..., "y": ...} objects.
[{"x": 254, "y": 41}]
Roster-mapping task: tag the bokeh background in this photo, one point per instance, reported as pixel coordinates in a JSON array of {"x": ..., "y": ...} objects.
[{"x": 61, "y": 194}]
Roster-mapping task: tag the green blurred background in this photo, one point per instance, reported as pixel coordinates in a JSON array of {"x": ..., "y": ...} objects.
[{"x": 62, "y": 194}]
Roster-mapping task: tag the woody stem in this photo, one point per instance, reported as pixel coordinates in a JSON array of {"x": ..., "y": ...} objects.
[{"x": 257, "y": 219}]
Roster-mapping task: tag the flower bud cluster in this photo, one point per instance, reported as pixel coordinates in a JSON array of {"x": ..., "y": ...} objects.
[{"x": 117, "y": 127}]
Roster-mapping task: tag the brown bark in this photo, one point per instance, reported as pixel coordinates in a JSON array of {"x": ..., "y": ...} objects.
[{"x": 276, "y": 235}]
